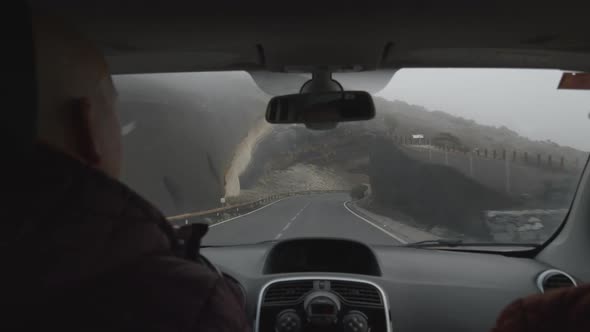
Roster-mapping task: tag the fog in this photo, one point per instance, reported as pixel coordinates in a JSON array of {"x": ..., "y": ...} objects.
[
  {"x": 188, "y": 137},
  {"x": 526, "y": 101}
]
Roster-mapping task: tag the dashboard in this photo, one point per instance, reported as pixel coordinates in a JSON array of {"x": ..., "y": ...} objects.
[
  {"x": 329, "y": 255},
  {"x": 322, "y": 284}
]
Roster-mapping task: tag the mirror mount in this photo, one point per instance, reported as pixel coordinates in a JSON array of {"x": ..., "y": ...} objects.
[
  {"x": 321, "y": 81},
  {"x": 321, "y": 126}
]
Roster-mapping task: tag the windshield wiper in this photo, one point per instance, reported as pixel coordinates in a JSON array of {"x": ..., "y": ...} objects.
[
  {"x": 435, "y": 243},
  {"x": 449, "y": 243}
]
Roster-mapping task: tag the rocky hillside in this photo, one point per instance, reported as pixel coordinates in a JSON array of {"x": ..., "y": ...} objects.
[
  {"x": 348, "y": 145},
  {"x": 412, "y": 119},
  {"x": 354, "y": 153}
]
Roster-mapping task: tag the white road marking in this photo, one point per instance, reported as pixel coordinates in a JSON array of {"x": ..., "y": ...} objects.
[
  {"x": 126, "y": 129},
  {"x": 397, "y": 238},
  {"x": 286, "y": 226},
  {"x": 245, "y": 214},
  {"x": 297, "y": 215},
  {"x": 292, "y": 220}
]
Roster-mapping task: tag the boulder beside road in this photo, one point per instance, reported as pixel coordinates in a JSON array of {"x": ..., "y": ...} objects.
[{"x": 523, "y": 225}]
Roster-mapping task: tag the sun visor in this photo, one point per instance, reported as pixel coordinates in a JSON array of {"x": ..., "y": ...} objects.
[{"x": 574, "y": 81}]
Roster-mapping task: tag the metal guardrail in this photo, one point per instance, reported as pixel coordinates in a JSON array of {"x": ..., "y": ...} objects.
[
  {"x": 522, "y": 158},
  {"x": 214, "y": 216}
]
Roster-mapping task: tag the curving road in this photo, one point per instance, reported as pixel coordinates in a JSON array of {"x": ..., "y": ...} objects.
[{"x": 322, "y": 215}]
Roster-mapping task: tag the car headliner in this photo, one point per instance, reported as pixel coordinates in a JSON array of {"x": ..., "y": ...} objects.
[{"x": 175, "y": 35}]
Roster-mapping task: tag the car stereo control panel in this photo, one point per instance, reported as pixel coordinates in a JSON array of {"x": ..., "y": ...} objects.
[{"x": 322, "y": 304}]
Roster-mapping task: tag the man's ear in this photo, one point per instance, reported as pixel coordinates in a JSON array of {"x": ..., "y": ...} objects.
[{"x": 83, "y": 127}]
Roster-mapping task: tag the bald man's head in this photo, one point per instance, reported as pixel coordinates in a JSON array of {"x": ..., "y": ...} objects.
[{"x": 76, "y": 97}]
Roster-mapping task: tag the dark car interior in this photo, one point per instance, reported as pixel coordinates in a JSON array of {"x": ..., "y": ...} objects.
[{"x": 327, "y": 284}]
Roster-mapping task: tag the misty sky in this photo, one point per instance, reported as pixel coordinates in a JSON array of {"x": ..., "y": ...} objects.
[{"x": 526, "y": 101}]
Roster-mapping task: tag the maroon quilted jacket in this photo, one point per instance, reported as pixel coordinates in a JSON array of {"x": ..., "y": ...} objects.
[
  {"x": 564, "y": 310},
  {"x": 85, "y": 253}
]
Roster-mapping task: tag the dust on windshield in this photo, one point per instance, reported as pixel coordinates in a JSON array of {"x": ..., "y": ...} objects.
[{"x": 478, "y": 155}]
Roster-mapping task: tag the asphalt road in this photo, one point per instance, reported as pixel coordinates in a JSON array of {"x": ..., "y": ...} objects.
[{"x": 322, "y": 215}]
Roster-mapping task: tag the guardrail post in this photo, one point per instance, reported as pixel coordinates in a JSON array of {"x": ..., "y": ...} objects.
[
  {"x": 561, "y": 163},
  {"x": 507, "y": 174}
]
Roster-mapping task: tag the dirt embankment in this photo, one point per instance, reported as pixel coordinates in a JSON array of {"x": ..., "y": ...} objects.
[{"x": 292, "y": 158}]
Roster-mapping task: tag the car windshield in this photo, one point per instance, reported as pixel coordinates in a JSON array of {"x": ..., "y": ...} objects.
[{"x": 480, "y": 156}]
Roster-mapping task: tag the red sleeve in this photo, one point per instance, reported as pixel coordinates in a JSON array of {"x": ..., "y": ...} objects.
[
  {"x": 512, "y": 318},
  {"x": 563, "y": 310}
]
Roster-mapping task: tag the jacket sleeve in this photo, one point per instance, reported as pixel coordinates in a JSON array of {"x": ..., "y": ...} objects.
[
  {"x": 512, "y": 318},
  {"x": 557, "y": 310},
  {"x": 224, "y": 310}
]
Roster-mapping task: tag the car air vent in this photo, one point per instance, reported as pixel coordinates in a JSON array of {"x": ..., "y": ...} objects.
[
  {"x": 553, "y": 279},
  {"x": 356, "y": 292},
  {"x": 287, "y": 291}
]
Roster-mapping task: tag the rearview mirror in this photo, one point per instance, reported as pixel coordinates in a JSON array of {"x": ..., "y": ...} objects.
[{"x": 318, "y": 108}]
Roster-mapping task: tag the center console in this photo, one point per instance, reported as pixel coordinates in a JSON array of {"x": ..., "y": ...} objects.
[{"x": 322, "y": 304}]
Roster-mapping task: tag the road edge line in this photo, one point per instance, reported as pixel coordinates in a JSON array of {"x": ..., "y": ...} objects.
[
  {"x": 245, "y": 214},
  {"x": 397, "y": 238}
]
